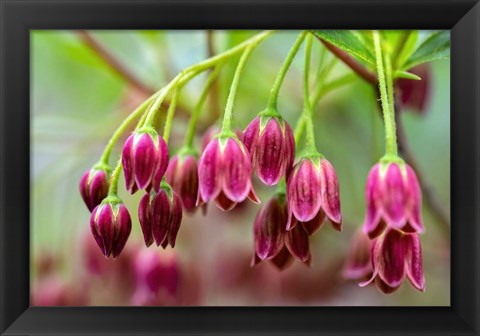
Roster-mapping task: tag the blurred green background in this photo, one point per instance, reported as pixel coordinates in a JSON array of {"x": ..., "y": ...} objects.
[{"x": 77, "y": 101}]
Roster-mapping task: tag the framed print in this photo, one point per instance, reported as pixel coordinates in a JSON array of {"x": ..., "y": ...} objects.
[{"x": 274, "y": 167}]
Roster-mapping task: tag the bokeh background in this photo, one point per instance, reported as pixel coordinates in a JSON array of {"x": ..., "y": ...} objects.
[{"x": 78, "y": 99}]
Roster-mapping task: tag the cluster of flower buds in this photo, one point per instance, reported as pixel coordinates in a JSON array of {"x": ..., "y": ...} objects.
[
  {"x": 282, "y": 228},
  {"x": 393, "y": 221}
]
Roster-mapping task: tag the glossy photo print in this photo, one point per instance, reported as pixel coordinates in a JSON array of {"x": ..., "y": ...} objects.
[{"x": 240, "y": 168}]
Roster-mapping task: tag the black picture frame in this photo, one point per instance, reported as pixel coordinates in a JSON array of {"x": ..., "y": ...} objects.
[{"x": 18, "y": 17}]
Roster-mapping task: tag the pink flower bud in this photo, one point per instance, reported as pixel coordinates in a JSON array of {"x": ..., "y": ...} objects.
[
  {"x": 94, "y": 187},
  {"x": 312, "y": 193},
  {"x": 272, "y": 148},
  {"x": 160, "y": 215},
  {"x": 358, "y": 263},
  {"x": 182, "y": 175},
  {"x": 145, "y": 160},
  {"x": 394, "y": 256},
  {"x": 393, "y": 199},
  {"x": 273, "y": 242},
  {"x": 224, "y": 172},
  {"x": 416, "y": 93},
  {"x": 111, "y": 225}
]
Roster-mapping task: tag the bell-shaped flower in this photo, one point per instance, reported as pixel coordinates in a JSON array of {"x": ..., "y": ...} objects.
[
  {"x": 182, "y": 175},
  {"x": 272, "y": 241},
  {"x": 94, "y": 187},
  {"x": 224, "y": 173},
  {"x": 313, "y": 194},
  {"x": 111, "y": 225},
  {"x": 393, "y": 199},
  {"x": 396, "y": 255},
  {"x": 145, "y": 160},
  {"x": 271, "y": 145},
  {"x": 160, "y": 216}
]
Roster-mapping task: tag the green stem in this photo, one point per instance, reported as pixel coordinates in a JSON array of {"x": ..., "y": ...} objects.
[
  {"x": 227, "y": 117},
  {"x": 307, "y": 108},
  {"x": 183, "y": 77},
  {"x": 272, "y": 102},
  {"x": 170, "y": 114},
  {"x": 119, "y": 131},
  {"x": 388, "y": 112},
  {"x": 198, "y": 109},
  {"x": 113, "y": 189}
]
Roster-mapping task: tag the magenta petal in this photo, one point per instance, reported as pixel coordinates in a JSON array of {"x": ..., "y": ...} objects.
[
  {"x": 283, "y": 259},
  {"x": 144, "y": 159},
  {"x": 394, "y": 197},
  {"x": 270, "y": 153},
  {"x": 269, "y": 229},
  {"x": 127, "y": 162},
  {"x": 160, "y": 217},
  {"x": 144, "y": 217},
  {"x": 104, "y": 220},
  {"x": 414, "y": 202},
  {"x": 253, "y": 196},
  {"x": 122, "y": 229},
  {"x": 224, "y": 203},
  {"x": 391, "y": 258},
  {"x": 182, "y": 175},
  {"x": 95, "y": 229},
  {"x": 210, "y": 171},
  {"x": 161, "y": 164},
  {"x": 413, "y": 261},
  {"x": 373, "y": 196},
  {"x": 384, "y": 287},
  {"x": 250, "y": 136},
  {"x": 330, "y": 192},
  {"x": 297, "y": 243},
  {"x": 175, "y": 219},
  {"x": 313, "y": 225},
  {"x": 303, "y": 190},
  {"x": 237, "y": 171},
  {"x": 98, "y": 188},
  {"x": 291, "y": 222}
]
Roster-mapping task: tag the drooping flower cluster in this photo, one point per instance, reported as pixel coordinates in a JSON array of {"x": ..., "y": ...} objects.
[{"x": 393, "y": 221}]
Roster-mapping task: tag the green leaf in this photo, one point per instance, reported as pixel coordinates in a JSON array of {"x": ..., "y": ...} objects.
[
  {"x": 347, "y": 41},
  {"x": 404, "y": 51},
  {"x": 436, "y": 46},
  {"x": 406, "y": 75}
]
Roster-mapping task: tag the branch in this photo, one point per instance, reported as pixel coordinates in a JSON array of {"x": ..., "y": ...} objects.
[
  {"x": 358, "y": 68},
  {"x": 113, "y": 63},
  {"x": 116, "y": 66}
]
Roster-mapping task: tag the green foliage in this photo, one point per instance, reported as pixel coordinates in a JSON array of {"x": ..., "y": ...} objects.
[
  {"x": 348, "y": 41},
  {"x": 436, "y": 46}
]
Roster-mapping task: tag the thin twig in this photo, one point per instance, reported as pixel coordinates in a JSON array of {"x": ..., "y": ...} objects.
[
  {"x": 116, "y": 66},
  {"x": 359, "y": 69}
]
